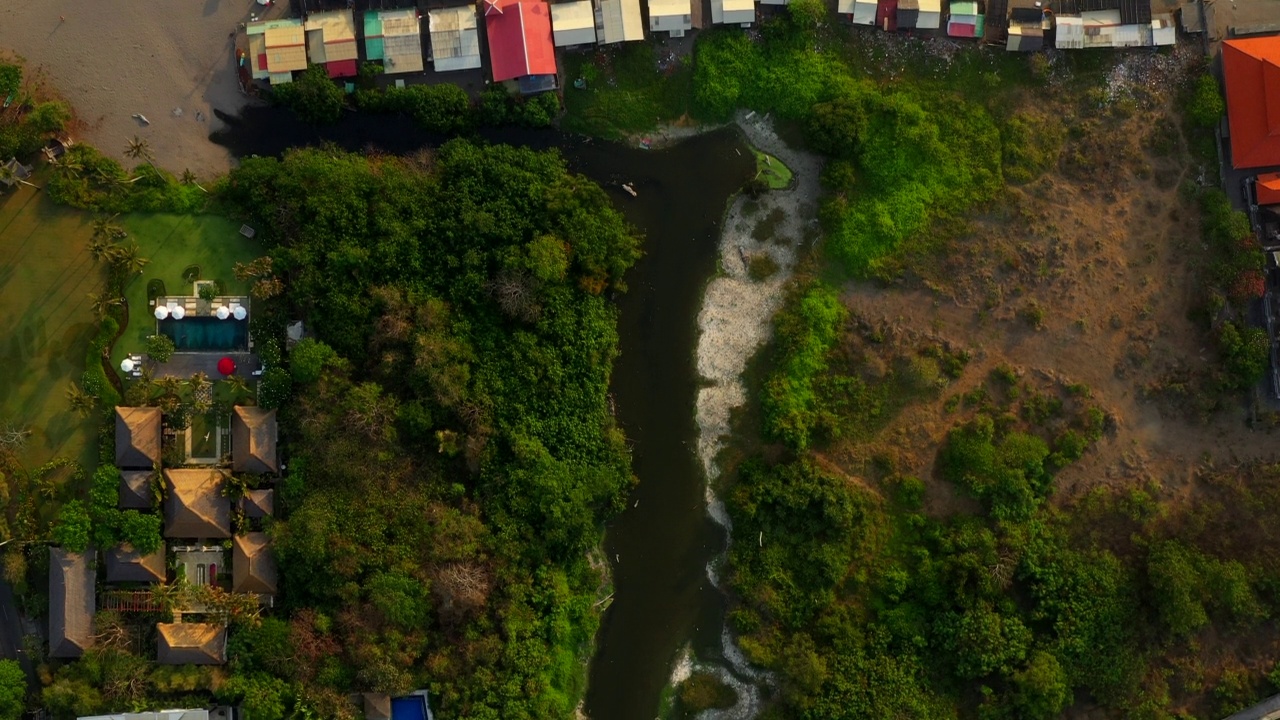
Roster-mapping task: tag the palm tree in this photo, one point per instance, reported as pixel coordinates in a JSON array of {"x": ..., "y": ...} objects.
[
  {"x": 81, "y": 401},
  {"x": 103, "y": 302},
  {"x": 128, "y": 258},
  {"x": 100, "y": 247},
  {"x": 106, "y": 227},
  {"x": 9, "y": 176},
  {"x": 139, "y": 149},
  {"x": 169, "y": 385},
  {"x": 236, "y": 386}
]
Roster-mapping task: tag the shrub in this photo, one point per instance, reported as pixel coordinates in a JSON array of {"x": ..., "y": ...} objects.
[
  {"x": 160, "y": 347},
  {"x": 1206, "y": 106},
  {"x": 1246, "y": 354},
  {"x": 805, "y": 335},
  {"x": 312, "y": 96},
  {"x": 308, "y": 358},
  {"x": 275, "y": 387},
  {"x": 441, "y": 108},
  {"x": 72, "y": 528},
  {"x": 762, "y": 266}
]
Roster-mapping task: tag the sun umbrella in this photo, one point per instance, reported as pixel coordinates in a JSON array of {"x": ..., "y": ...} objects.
[
  {"x": 126, "y": 365},
  {"x": 222, "y": 312},
  {"x": 240, "y": 313},
  {"x": 179, "y": 312},
  {"x": 162, "y": 312},
  {"x": 226, "y": 366}
]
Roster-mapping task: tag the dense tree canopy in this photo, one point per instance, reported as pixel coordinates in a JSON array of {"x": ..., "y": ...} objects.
[{"x": 453, "y": 454}]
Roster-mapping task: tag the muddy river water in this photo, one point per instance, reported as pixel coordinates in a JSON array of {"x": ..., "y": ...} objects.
[{"x": 662, "y": 544}]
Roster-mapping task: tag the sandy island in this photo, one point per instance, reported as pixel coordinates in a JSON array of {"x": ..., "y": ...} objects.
[{"x": 111, "y": 59}]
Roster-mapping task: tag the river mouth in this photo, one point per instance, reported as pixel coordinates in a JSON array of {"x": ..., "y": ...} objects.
[{"x": 661, "y": 545}]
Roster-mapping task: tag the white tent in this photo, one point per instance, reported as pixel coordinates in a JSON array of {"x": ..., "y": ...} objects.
[
  {"x": 178, "y": 312},
  {"x": 162, "y": 312}
]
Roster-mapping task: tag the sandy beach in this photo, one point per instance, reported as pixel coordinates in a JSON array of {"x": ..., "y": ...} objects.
[{"x": 172, "y": 62}]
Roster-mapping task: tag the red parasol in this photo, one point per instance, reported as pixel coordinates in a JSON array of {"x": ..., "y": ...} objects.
[{"x": 226, "y": 366}]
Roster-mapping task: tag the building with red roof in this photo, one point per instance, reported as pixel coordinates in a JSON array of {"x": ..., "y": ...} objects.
[
  {"x": 1252, "y": 69},
  {"x": 1268, "y": 189},
  {"x": 520, "y": 42}
]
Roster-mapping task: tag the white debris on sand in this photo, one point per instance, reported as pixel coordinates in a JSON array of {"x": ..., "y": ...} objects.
[
  {"x": 735, "y": 322},
  {"x": 737, "y": 312}
]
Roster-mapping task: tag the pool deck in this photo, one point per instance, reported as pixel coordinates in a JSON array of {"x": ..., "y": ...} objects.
[{"x": 185, "y": 364}]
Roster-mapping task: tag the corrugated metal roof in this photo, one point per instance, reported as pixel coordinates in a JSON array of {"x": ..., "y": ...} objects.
[
  {"x": 667, "y": 8},
  {"x": 400, "y": 22},
  {"x": 402, "y": 53},
  {"x": 455, "y": 40},
  {"x": 964, "y": 7},
  {"x": 337, "y": 25},
  {"x": 733, "y": 12},
  {"x": 619, "y": 21},
  {"x": 258, "y": 57},
  {"x": 284, "y": 36},
  {"x": 570, "y": 16},
  {"x": 1070, "y": 33},
  {"x": 929, "y": 20},
  {"x": 1163, "y": 30},
  {"x": 283, "y": 60}
]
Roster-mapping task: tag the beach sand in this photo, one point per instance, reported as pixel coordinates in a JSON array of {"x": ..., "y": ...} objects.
[{"x": 112, "y": 58}]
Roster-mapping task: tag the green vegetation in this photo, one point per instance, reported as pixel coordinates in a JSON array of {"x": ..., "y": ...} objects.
[
  {"x": 1206, "y": 105},
  {"x": 312, "y": 95},
  {"x": 1232, "y": 280},
  {"x": 85, "y": 178},
  {"x": 452, "y": 453},
  {"x": 13, "y": 685},
  {"x": 23, "y": 132},
  {"x": 626, "y": 91},
  {"x": 771, "y": 171}
]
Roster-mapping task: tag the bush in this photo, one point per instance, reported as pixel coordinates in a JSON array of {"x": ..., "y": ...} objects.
[
  {"x": 312, "y": 96},
  {"x": 308, "y": 358},
  {"x": 1206, "y": 106},
  {"x": 160, "y": 347},
  {"x": 13, "y": 690},
  {"x": 275, "y": 387},
  {"x": 805, "y": 335},
  {"x": 72, "y": 528},
  {"x": 441, "y": 108},
  {"x": 1246, "y": 353}
]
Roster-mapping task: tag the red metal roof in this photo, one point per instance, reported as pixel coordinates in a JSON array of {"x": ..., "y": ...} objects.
[
  {"x": 966, "y": 30},
  {"x": 520, "y": 43},
  {"x": 1268, "y": 189},
  {"x": 341, "y": 68},
  {"x": 1252, "y": 69}
]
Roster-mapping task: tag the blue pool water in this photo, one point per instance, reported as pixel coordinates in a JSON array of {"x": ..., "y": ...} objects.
[{"x": 207, "y": 333}]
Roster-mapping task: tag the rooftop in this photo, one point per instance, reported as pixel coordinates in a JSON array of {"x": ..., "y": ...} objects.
[{"x": 194, "y": 505}]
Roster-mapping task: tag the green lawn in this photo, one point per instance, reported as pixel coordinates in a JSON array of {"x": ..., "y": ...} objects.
[
  {"x": 171, "y": 243},
  {"x": 46, "y": 276},
  {"x": 204, "y": 436},
  {"x": 626, "y": 91},
  {"x": 771, "y": 170}
]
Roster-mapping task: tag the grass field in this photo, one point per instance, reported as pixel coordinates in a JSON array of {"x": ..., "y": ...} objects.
[
  {"x": 626, "y": 92},
  {"x": 769, "y": 169},
  {"x": 171, "y": 243},
  {"x": 46, "y": 275}
]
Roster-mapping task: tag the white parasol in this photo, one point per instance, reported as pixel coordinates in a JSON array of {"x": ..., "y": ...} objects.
[
  {"x": 162, "y": 312},
  {"x": 222, "y": 312},
  {"x": 178, "y": 312},
  {"x": 126, "y": 365},
  {"x": 239, "y": 312}
]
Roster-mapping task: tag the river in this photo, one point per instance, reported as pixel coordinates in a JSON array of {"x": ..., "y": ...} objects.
[{"x": 662, "y": 543}]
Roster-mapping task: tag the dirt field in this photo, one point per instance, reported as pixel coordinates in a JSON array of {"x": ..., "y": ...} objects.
[
  {"x": 111, "y": 59},
  {"x": 1085, "y": 276}
]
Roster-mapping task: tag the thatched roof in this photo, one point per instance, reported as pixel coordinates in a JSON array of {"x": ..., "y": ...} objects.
[
  {"x": 253, "y": 566},
  {"x": 72, "y": 582},
  {"x": 137, "y": 437},
  {"x": 135, "y": 489},
  {"x": 377, "y": 706},
  {"x": 253, "y": 440},
  {"x": 258, "y": 503},
  {"x": 124, "y": 564},
  {"x": 191, "y": 644},
  {"x": 194, "y": 506}
]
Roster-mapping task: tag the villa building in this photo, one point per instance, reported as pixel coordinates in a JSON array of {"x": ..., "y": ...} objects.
[
  {"x": 183, "y": 643},
  {"x": 138, "y": 432},
  {"x": 72, "y": 602},
  {"x": 194, "y": 505}
]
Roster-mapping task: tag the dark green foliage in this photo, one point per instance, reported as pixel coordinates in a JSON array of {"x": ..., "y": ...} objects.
[
  {"x": 160, "y": 347},
  {"x": 443, "y": 108},
  {"x": 1206, "y": 106},
  {"x": 453, "y": 455},
  {"x": 308, "y": 359},
  {"x": 1041, "y": 689},
  {"x": 275, "y": 387},
  {"x": 141, "y": 530},
  {"x": 85, "y": 178},
  {"x": 626, "y": 92},
  {"x": 1246, "y": 354},
  {"x": 1007, "y": 471},
  {"x": 313, "y": 96},
  {"x": 1031, "y": 144},
  {"x": 10, "y": 79},
  {"x": 13, "y": 682}
]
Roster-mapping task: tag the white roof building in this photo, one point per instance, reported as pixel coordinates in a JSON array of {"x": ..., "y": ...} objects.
[
  {"x": 728, "y": 12},
  {"x": 673, "y": 16},
  {"x": 863, "y": 11},
  {"x": 455, "y": 39},
  {"x": 1163, "y": 30},
  {"x": 1070, "y": 35},
  {"x": 618, "y": 21},
  {"x": 930, "y": 15},
  {"x": 573, "y": 23}
]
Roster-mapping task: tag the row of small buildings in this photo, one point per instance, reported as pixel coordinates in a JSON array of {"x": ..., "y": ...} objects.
[
  {"x": 1023, "y": 25},
  {"x": 197, "y": 520}
]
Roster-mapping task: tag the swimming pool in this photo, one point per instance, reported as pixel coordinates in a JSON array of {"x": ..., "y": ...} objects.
[{"x": 207, "y": 333}]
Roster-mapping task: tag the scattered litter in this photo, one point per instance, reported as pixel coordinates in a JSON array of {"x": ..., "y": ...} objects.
[
  {"x": 177, "y": 112},
  {"x": 629, "y": 189},
  {"x": 141, "y": 118},
  {"x": 199, "y": 116}
]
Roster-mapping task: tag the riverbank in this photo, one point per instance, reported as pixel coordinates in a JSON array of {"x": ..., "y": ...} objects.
[
  {"x": 121, "y": 58},
  {"x": 762, "y": 238}
]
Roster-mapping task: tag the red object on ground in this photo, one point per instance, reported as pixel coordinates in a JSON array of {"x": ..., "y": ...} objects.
[
  {"x": 1268, "y": 189},
  {"x": 1252, "y": 69},
  {"x": 520, "y": 43},
  {"x": 341, "y": 68},
  {"x": 226, "y": 366},
  {"x": 262, "y": 61}
]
